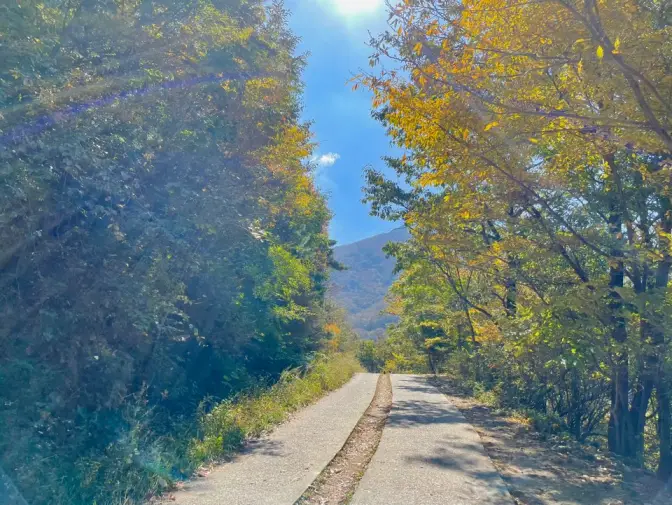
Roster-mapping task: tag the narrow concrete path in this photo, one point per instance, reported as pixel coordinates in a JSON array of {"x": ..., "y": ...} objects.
[
  {"x": 429, "y": 455},
  {"x": 278, "y": 469}
]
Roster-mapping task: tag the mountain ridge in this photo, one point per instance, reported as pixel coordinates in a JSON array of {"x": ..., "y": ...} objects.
[{"x": 361, "y": 289}]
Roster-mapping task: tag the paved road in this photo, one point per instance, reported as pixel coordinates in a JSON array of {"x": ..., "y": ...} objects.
[
  {"x": 278, "y": 469},
  {"x": 429, "y": 455}
]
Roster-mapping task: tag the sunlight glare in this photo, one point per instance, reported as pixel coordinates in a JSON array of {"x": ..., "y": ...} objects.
[{"x": 354, "y": 7}]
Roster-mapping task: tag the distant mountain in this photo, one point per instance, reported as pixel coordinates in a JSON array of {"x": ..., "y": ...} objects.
[{"x": 361, "y": 289}]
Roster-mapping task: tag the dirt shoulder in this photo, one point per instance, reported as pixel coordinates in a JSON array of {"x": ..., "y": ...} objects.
[
  {"x": 552, "y": 471},
  {"x": 337, "y": 482}
]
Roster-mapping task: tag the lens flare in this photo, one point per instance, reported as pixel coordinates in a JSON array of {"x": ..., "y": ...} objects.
[{"x": 354, "y": 7}]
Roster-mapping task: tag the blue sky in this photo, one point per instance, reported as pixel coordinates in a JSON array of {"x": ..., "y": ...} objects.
[{"x": 335, "y": 33}]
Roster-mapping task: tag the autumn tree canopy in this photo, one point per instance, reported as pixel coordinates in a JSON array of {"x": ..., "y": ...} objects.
[{"x": 537, "y": 189}]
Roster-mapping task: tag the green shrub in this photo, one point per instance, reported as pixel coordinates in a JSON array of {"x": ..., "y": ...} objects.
[
  {"x": 546, "y": 423},
  {"x": 489, "y": 397}
]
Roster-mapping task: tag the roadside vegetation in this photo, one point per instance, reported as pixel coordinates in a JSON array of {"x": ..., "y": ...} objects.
[
  {"x": 536, "y": 186},
  {"x": 225, "y": 428},
  {"x": 163, "y": 246},
  {"x": 543, "y": 465}
]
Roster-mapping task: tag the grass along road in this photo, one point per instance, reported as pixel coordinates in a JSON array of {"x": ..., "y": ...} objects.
[{"x": 277, "y": 469}]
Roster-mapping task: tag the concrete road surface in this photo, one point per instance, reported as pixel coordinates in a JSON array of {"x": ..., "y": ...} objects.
[
  {"x": 278, "y": 469},
  {"x": 429, "y": 455}
]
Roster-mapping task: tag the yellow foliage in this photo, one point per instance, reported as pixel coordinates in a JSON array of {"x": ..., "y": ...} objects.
[{"x": 332, "y": 329}]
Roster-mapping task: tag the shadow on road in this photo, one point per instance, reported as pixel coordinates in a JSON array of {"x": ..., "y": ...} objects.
[
  {"x": 263, "y": 446},
  {"x": 553, "y": 470},
  {"x": 408, "y": 413}
]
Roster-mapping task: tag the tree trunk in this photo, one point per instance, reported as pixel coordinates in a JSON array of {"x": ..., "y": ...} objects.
[
  {"x": 662, "y": 387},
  {"x": 619, "y": 431},
  {"x": 664, "y": 429},
  {"x": 640, "y": 405},
  {"x": 619, "y": 425},
  {"x": 511, "y": 287},
  {"x": 430, "y": 360},
  {"x": 574, "y": 406},
  {"x": 474, "y": 343}
]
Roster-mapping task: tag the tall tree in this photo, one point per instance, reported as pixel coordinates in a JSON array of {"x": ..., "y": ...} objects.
[{"x": 538, "y": 142}]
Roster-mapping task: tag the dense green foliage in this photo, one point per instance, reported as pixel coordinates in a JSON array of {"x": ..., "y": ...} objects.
[
  {"x": 162, "y": 239},
  {"x": 360, "y": 288},
  {"x": 536, "y": 189}
]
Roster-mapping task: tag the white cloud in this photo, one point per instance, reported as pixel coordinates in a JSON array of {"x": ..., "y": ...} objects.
[
  {"x": 326, "y": 160},
  {"x": 322, "y": 163}
]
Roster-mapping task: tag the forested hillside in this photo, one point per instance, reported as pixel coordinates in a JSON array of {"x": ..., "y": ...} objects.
[
  {"x": 538, "y": 140},
  {"x": 162, "y": 241},
  {"x": 361, "y": 288}
]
